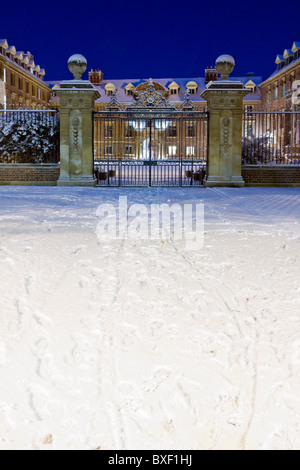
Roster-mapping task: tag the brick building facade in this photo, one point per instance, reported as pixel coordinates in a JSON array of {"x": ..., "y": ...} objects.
[
  {"x": 21, "y": 80},
  {"x": 278, "y": 90}
]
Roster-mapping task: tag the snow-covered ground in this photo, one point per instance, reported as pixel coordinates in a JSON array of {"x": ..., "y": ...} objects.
[{"x": 140, "y": 344}]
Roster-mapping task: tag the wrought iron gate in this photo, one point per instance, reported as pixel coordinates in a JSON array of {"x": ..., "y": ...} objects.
[{"x": 150, "y": 143}]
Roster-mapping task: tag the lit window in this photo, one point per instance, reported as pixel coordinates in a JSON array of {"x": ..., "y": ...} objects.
[
  {"x": 4, "y": 75},
  {"x": 190, "y": 151},
  {"x": 172, "y": 150}
]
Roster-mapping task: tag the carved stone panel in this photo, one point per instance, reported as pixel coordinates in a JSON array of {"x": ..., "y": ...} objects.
[{"x": 75, "y": 142}]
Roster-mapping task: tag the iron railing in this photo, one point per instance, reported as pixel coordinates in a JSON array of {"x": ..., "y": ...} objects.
[
  {"x": 29, "y": 135},
  {"x": 150, "y": 148},
  {"x": 271, "y": 137}
]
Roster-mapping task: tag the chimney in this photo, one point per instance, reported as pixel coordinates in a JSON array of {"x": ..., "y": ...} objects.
[
  {"x": 210, "y": 74},
  {"x": 95, "y": 77}
]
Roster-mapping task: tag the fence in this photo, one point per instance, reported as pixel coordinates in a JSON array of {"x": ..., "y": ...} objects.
[
  {"x": 271, "y": 137},
  {"x": 29, "y": 136}
]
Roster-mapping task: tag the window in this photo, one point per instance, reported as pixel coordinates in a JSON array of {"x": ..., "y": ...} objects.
[
  {"x": 109, "y": 89},
  {"x": 129, "y": 150},
  {"x": 283, "y": 90},
  {"x": 129, "y": 131},
  {"x": 27, "y": 87},
  {"x": 33, "y": 90},
  {"x": 172, "y": 150},
  {"x": 172, "y": 130},
  {"x": 250, "y": 85},
  {"x": 12, "y": 79},
  {"x": 190, "y": 151},
  {"x": 108, "y": 130},
  {"x": 249, "y": 130},
  {"x": 20, "y": 84},
  {"x": 275, "y": 93},
  {"x": 192, "y": 87},
  {"x": 4, "y": 75},
  {"x": 268, "y": 97},
  {"x": 174, "y": 88},
  {"x": 190, "y": 130},
  {"x": 39, "y": 93},
  {"x": 129, "y": 89},
  {"x": 108, "y": 150}
]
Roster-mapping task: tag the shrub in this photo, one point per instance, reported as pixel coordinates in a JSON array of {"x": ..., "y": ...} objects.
[{"x": 28, "y": 137}]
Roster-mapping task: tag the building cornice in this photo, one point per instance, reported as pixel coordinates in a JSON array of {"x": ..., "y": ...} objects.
[
  {"x": 17, "y": 68},
  {"x": 277, "y": 76}
]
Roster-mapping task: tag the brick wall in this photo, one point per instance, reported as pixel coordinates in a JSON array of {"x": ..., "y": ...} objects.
[
  {"x": 279, "y": 175},
  {"x": 25, "y": 174}
]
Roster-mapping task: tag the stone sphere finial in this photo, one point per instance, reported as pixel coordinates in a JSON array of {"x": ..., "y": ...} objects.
[
  {"x": 77, "y": 65},
  {"x": 225, "y": 65}
]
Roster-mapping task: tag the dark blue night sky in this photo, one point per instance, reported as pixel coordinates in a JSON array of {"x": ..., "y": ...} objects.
[{"x": 131, "y": 39}]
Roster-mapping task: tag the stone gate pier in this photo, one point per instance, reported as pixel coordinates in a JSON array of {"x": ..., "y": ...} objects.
[
  {"x": 77, "y": 99},
  {"x": 225, "y": 107}
]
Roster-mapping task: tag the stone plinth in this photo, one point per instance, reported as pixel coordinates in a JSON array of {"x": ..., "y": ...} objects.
[
  {"x": 225, "y": 107},
  {"x": 77, "y": 99}
]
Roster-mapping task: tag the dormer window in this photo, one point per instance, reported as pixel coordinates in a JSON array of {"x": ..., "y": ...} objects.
[
  {"x": 129, "y": 89},
  {"x": 110, "y": 89},
  {"x": 3, "y": 46},
  {"x": 250, "y": 85},
  {"x": 11, "y": 52},
  {"x": 280, "y": 61},
  {"x": 192, "y": 87},
  {"x": 296, "y": 50},
  {"x": 288, "y": 56},
  {"x": 174, "y": 88}
]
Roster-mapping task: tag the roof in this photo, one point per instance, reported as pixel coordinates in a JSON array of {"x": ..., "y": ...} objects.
[
  {"x": 122, "y": 84},
  {"x": 292, "y": 63}
]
